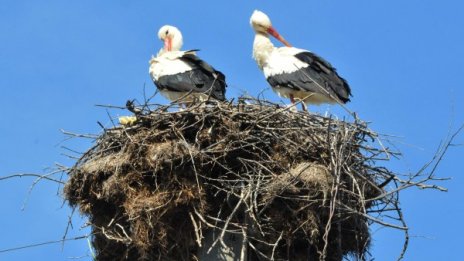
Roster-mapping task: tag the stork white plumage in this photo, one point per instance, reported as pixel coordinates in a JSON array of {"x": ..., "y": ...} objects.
[
  {"x": 295, "y": 73},
  {"x": 181, "y": 75}
]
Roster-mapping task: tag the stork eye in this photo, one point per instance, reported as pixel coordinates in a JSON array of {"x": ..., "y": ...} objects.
[{"x": 167, "y": 31}]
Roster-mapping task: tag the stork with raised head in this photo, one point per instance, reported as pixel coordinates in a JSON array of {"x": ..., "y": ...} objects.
[
  {"x": 295, "y": 73},
  {"x": 182, "y": 76}
]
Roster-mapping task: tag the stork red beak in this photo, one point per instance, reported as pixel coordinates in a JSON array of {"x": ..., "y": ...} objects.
[
  {"x": 274, "y": 33},
  {"x": 168, "y": 44}
]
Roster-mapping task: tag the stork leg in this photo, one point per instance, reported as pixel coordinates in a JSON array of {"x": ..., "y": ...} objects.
[
  {"x": 292, "y": 99},
  {"x": 304, "y": 107},
  {"x": 292, "y": 106}
]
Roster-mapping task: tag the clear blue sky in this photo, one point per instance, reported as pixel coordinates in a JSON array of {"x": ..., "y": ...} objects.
[{"x": 403, "y": 59}]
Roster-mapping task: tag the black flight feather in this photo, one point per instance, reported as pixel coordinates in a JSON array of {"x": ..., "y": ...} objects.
[{"x": 325, "y": 75}]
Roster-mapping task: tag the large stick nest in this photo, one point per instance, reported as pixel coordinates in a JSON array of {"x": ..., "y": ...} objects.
[{"x": 292, "y": 186}]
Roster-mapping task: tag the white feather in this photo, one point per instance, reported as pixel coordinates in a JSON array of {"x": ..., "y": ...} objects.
[
  {"x": 274, "y": 61},
  {"x": 167, "y": 63},
  {"x": 282, "y": 60}
]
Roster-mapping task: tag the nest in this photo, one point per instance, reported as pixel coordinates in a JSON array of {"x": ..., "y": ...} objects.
[{"x": 286, "y": 185}]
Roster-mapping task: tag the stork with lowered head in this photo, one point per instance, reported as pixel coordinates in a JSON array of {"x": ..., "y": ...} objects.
[{"x": 293, "y": 73}]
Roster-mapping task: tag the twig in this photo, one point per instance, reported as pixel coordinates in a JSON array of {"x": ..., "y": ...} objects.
[{"x": 42, "y": 244}]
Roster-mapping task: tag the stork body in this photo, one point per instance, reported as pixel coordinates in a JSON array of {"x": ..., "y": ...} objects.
[
  {"x": 295, "y": 73},
  {"x": 181, "y": 75}
]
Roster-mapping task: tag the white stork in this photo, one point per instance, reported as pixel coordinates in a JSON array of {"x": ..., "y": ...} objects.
[
  {"x": 181, "y": 75},
  {"x": 295, "y": 73}
]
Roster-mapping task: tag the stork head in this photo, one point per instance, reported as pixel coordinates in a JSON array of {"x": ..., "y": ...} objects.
[
  {"x": 262, "y": 24},
  {"x": 172, "y": 38}
]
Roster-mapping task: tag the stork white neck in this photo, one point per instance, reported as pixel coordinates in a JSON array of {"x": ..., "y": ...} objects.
[{"x": 262, "y": 48}]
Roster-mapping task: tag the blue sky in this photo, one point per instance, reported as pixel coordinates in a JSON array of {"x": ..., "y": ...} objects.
[{"x": 403, "y": 59}]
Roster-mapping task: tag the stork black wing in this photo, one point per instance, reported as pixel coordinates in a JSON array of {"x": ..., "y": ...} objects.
[
  {"x": 206, "y": 78},
  {"x": 322, "y": 72},
  {"x": 203, "y": 78}
]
